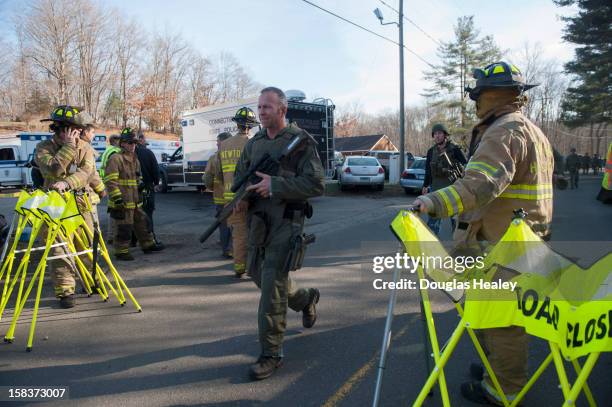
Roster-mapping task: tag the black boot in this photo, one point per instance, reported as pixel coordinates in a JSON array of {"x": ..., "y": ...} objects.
[
  {"x": 265, "y": 367},
  {"x": 476, "y": 371},
  {"x": 309, "y": 313},
  {"x": 69, "y": 301},
  {"x": 155, "y": 247},
  {"x": 124, "y": 256}
]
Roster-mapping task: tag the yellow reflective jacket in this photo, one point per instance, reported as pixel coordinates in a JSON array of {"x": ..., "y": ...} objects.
[
  {"x": 229, "y": 154},
  {"x": 510, "y": 167},
  {"x": 75, "y": 165},
  {"x": 122, "y": 176},
  {"x": 213, "y": 179},
  {"x": 606, "y": 182}
]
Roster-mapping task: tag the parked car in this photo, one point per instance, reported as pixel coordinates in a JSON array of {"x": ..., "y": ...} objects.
[
  {"x": 361, "y": 171},
  {"x": 413, "y": 178},
  {"x": 384, "y": 157}
]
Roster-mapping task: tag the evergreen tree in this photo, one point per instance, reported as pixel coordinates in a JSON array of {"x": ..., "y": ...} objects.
[
  {"x": 587, "y": 101},
  {"x": 459, "y": 57}
]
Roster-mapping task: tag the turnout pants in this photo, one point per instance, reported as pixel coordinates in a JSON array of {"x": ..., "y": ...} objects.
[
  {"x": 267, "y": 257},
  {"x": 135, "y": 220},
  {"x": 225, "y": 235},
  {"x": 238, "y": 227},
  {"x": 507, "y": 351},
  {"x": 63, "y": 271}
]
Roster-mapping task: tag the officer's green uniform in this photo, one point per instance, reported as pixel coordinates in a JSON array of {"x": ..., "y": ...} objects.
[{"x": 272, "y": 222}]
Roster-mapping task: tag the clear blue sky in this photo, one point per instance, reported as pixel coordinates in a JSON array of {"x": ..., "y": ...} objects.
[{"x": 293, "y": 45}]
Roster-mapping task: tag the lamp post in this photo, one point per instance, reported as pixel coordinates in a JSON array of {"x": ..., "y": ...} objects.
[{"x": 400, "y": 25}]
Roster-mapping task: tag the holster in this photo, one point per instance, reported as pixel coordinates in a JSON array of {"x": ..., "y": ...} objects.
[
  {"x": 298, "y": 250},
  {"x": 296, "y": 213},
  {"x": 258, "y": 235}
]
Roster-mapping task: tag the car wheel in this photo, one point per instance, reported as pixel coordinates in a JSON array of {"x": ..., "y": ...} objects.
[{"x": 164, "y": 184}]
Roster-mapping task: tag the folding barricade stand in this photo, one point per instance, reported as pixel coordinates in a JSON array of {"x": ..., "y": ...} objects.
[
  {"x": 65, "y": 225},
  {"x": 403, "y": 227}
]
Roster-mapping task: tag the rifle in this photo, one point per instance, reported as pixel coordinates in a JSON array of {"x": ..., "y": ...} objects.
[
  {"x": 267, "y": 165},
  {"x": 455, "y": 170}
]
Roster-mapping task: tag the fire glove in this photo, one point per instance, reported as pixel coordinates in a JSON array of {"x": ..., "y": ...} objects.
[{"x": 117, "y": 211}]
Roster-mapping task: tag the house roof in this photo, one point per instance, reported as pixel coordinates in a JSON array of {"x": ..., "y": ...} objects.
[{"x": 357, "y": 143}]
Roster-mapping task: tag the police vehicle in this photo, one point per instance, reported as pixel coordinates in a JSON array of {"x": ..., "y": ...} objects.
[{"x": 16, "y": 157}]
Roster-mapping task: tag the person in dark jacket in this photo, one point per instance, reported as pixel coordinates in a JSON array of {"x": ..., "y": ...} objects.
[
  {"x": 150, "y": 177},
  {"x": 440, "y": 158}
]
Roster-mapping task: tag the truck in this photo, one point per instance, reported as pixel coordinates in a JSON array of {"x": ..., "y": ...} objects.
[
  {"x": 17, "y": 153},
  {"x": 186, "y": 166}
]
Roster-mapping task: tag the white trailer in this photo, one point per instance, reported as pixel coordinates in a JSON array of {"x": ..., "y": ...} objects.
[
  {"x": 201, "y": 126},
  {"x": 185, "y": 167},
  {"x": 17, "y": 153}
]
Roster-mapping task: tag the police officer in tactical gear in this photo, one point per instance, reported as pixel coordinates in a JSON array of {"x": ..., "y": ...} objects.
[
  {"x": 275, "y": 219},
  {"x": 441, "y": 158},
  {"x": 510, "y": 167},
  {"x": 149, "y": 169}
]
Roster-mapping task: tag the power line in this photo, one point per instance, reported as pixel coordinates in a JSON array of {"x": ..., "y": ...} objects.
[
  {"x": 414, "y": 24},
  {"x": 368, "y": 30}
]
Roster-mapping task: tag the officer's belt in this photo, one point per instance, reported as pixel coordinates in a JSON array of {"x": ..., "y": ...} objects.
[{"x": 304, "y": 207}]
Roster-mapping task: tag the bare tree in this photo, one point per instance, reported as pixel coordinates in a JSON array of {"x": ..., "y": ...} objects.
[
  {"x": 95, "y": 58},
  {"x": 49, "y": 35},
  {"x": 199, "y": 80},
  {"x": 128, "y": 40}
]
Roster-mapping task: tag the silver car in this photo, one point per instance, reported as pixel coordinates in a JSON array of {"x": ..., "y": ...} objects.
[
  {"x": 413, "y": 178},
  {"x": 361, "y": 171}
]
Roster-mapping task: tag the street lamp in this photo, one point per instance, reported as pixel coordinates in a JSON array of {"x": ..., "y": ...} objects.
[{"x": 400, "y": 25}]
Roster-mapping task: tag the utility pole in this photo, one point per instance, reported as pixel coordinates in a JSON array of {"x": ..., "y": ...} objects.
[
  {"x": 401, "y": 75},
  {"x": 402, "y": 128}
]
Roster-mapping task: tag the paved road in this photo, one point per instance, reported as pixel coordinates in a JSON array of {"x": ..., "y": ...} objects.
[{"x": 197, "y": 335}]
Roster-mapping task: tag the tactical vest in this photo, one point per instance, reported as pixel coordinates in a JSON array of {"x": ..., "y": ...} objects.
[{"x": 439, "y": 166}]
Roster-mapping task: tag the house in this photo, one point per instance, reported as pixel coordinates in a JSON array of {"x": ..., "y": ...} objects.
[{"x": 363, "y": 145}]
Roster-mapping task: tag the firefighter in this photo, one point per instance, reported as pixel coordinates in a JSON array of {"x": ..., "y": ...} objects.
[
  {"x": 510, "y": 167},
  {"x": 605, "y": 193},
  {"x": 87, "y": 135},
  {"x": 213, "y": 179},
  {"x": 66, "y": 163},
  {"x": 229, "y": 154},
  {"x": 111, "y": 149},
  {"x": 123, "y": 180}
]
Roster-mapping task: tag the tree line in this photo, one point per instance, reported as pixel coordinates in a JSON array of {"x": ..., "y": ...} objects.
[
  {"x": 79, "y": 52},
  {"x": 571, "y": 103}
]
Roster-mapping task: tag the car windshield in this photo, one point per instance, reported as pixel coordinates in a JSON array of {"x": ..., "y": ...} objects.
[
  {"x": 366, "y": 161},
  {"x": 418, "y": 165}
]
